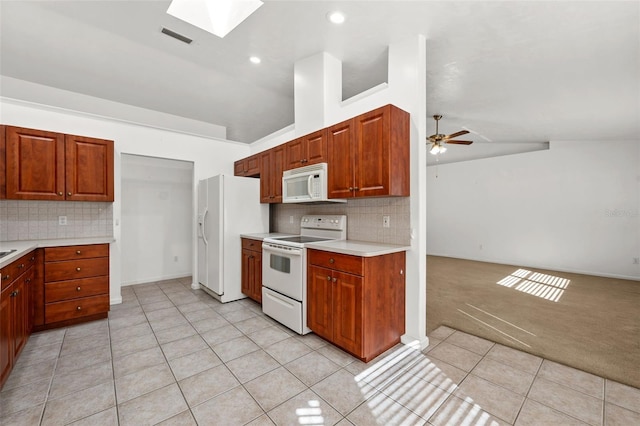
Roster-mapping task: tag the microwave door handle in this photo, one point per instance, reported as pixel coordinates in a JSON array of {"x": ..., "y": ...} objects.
[{"x": 310, "y": 185}]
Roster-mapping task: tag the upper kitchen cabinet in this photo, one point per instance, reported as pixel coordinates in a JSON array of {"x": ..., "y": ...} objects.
[
  {"x": 309, "y": 149},
  {"x": 43, "y": 165},
  {"x": 88, "y": 169},
  {"x": 249, "y": 167},
  {"x": 3, "y": 163},
  {"x": 369, "y": 155},
  {"x": 271, "y": 167}
]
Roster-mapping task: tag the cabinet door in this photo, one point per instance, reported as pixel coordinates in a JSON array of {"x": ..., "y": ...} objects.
[
  {"x": 246, "y": 273},
  {"x": 21, "y": 312},
  {"x": 3, "y": 163},
  {"x": 265, "y": 177},
  {"x": 294, "y": 154},
  {"x": 28, "y": 302},
  {"x": 316, "y": 147},
  {"x": 340, "y": 160},
  {"x": 347, "y": 312},
  {"x": 277, "y": 167},
  {"x": 239, "y": 167},
  {"x": 89, "y": 169},
  {"x": 319, "y": 301},
  {"x": 35, "y": 164},
  {"x": 6, "y": 334},
  {"x": 253, "y": 166},
  {"x": 257, "y": 277},
  {"x": 372, "y": 153}
]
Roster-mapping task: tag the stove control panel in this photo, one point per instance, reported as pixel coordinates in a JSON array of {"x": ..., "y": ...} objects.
[{"x": 334, "y": 222}]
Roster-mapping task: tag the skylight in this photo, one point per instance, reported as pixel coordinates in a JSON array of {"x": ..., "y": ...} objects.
[{"x": 219, "y": 17}]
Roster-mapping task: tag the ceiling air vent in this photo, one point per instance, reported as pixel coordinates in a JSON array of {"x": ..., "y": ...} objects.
[{"x": 176, "y": 35}]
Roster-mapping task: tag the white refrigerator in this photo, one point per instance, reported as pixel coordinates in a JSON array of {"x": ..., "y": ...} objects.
[{"x": 227, "y": 207}]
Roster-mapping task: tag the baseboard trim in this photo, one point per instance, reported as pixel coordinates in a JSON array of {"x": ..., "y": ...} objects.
[
  {"x": 529, "y": 265},
  {"x": 154, "y": 279}
]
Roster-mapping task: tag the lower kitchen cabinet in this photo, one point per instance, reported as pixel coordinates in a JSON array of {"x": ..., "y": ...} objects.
[
  {"x": 252, "y": 269},
  {"x": 356, "y": 303},
  {"x": 15, "y": 311},
  {"x": 76, "y": 284}
]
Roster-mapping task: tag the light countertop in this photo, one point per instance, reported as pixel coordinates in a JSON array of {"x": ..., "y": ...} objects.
[
  {"x": 24, "y": 247},
  {"x": 261, "y": 237},
  {"x": 358, "y": 248}
]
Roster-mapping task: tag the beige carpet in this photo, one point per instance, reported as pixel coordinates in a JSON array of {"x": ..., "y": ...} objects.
[{"x": 587, "y": 322}]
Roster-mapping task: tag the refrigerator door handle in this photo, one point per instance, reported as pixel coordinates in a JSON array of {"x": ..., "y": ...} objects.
[{"x": 202, "y": 228}]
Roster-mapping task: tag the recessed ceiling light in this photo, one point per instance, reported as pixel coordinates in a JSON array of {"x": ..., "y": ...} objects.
[
  {"x": 336, "y": 17},
  {"x": 255, "y": 60}
]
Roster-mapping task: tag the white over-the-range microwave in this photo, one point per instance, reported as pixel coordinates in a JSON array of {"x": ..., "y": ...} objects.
[{"x": 306, "y": 184}]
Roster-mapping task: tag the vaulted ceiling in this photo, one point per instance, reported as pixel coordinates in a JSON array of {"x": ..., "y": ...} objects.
[{"x": 510, "y": 72}]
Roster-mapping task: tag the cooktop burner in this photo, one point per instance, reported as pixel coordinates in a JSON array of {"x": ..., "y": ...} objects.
[{"x": 303, "y": 239}]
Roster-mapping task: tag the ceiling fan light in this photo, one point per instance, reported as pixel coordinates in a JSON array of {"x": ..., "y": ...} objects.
[
  {"x": 435, "y": 149},
  {"x": 443, "y": 149}
]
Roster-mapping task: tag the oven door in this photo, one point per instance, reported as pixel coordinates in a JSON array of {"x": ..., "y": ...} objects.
[{"x": 282, "y": 269}]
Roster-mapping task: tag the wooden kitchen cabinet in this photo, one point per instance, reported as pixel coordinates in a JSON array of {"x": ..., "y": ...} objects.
[
  {"x": 3, "y": 163},
  {"x": 88, "y": 169},
  {"x": 252, "y": 269},
  {"x": 307, "y": 150},
  {"x": 369, "y": 155},
  {"x": 15, "y": 311},
  {"x": 76, "y": 284},
  {"x": 356, "y": 303},
  {"x": 249, "y": 167},
  {"x": 43, "y": 165},
  {"x": 271, "y": 168}
]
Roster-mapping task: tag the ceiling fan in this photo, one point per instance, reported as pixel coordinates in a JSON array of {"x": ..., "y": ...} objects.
[{"x": 438, "y": 141}]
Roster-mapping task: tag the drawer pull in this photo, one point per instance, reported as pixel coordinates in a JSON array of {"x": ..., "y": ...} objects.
[
  {"x": 60, "y": 194},
  {"x": 13, "y": 294},
  {"x": 78, "y": 269},
  {"x": 335, "y": 279},
  {"x": 32, "y": 259},
  {"x": 21, "y": 266},
  {"x": 79, "y": 308},
  {"x": 78, "y": 252},
  {"x": 401, "y": 272},
  {"x": 328, "y": 278},
  {"x": 69, "y": 193},
  {"x": 28, "y": 280},
  {"x": 332, "y": 260},
  {"x": 6, "y": 277},
  {"x": 78, "y": 288}
]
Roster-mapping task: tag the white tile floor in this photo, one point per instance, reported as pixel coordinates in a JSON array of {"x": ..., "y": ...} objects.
[{"x": 170, "y": 355}]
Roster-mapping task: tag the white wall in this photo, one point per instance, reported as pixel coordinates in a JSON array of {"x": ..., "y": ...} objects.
[
  {"x": 209, "y": 156},
  {"x": 572, "y": 208},
  {"x": 157, "y": 216}
]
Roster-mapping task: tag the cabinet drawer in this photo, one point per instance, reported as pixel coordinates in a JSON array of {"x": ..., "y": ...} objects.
[
  {"x": 77, "y": 308},
  {"x": 13, "y": 270},
  {"x": 249, "y": 244},
  {"x": 74, "y": 269},
  {"x": 339, "y": 262},
  {"x": 52, "y": 254},
  {"x": 73, "y": 289}
]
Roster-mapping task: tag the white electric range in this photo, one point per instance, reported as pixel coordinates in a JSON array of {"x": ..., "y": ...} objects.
[{"x": 284, "y": 269}]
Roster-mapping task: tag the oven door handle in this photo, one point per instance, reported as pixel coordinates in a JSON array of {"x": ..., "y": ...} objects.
[{"x": 273, "y": 249}]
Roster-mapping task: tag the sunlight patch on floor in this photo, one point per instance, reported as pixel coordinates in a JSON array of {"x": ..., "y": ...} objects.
[
  {"x": 544, "y": 286},
  {"x": 411, "y": 384},
  {"x": 311, "y": 415}
]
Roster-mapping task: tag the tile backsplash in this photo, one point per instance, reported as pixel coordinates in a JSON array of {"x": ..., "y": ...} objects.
[
  {"x": 364, "y": 218},
  {"x": 34, "y": 220}
]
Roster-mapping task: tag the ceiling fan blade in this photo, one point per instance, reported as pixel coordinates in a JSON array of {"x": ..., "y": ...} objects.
[
  {"x": 456, "y": 134},
  {"x": 460, "y": 142}
]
